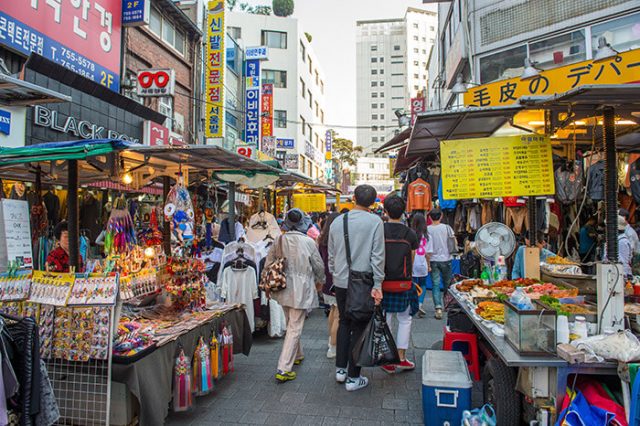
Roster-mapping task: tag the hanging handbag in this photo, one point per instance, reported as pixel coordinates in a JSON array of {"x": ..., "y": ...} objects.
[
  {"x": 359, "y": 303},
  {"x": 452, "y": 243},
  {"x": 273, "y": 277}
]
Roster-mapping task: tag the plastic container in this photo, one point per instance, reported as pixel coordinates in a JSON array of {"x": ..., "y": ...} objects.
[
  {"x": 562, "y": 335},
  {"x": 580, "y": 327},
  {"x": 446, "y": 387},
  {"x": 520, "y": 300}
]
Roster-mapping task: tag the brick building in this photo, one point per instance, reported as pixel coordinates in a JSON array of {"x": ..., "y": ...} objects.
[{"x": 171, "y": 40}]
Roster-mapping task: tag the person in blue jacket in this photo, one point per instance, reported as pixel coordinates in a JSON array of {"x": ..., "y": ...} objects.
[{"x": 518, "y": 262}]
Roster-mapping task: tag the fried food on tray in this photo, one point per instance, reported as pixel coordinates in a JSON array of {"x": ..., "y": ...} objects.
[
  {"x": 559, "y": 260},
  {"x": 491, "y": 311}
]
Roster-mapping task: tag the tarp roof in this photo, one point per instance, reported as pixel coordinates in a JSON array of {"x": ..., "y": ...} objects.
[
  {"x": 17, "y": 92},
  {"x": 432, "y": 127},
  {"x": 395, "y": 142}
]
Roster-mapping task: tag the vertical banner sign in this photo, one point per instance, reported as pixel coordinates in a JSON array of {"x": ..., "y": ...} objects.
[
  {"x": 214, "y": 76},
  {"x": 418, "y": 105},
  {"x": 506, "y": 166},
  {"x": 328, "y": 165},
  {"x": 83, "y": 36},
  {"x": 252, "y": 102},
  {"x": 267, "y": 110}
]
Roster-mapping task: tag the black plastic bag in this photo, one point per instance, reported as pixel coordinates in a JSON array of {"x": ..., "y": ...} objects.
[{"x": 376, "y": 345}]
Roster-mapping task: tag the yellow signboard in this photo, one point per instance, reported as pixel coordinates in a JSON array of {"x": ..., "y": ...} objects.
[
  {"x": 214, "y": 70},
  {"x": 497, "y": 167},
  {"x": 623, "y": 68},
  {"x": 310, "y": 202}
]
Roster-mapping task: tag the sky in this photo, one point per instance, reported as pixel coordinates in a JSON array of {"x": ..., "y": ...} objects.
[{"x": 332, "y": 24}]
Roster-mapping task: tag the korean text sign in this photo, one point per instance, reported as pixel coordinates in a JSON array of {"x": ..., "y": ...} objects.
[
  {"x": 252, "y": 102},
  {"x": 82, "y": 35},
  {"x": 623, "y": 68},
  {"x": 497, "y": 167},
  {"x": 418, "y": 105},
  {"x": 267, "y": 110},
  {"x": 214, "y": 72}
]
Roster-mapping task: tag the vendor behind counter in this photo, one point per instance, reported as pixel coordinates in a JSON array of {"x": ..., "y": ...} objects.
[
  {"x": 518, "y": 263},
  {"x": 58, "y": 258}
]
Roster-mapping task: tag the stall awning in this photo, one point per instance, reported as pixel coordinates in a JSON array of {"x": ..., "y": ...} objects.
[
  {"x": 16, "y": 92},
  {"x": 54, "y": 151},
  {"x": 403, "y": 162},
  {"x": 396, "y": 142},
  {"x": 432, "y": 127}
]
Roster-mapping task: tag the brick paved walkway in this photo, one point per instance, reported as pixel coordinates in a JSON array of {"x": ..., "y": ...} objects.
[{"x": 250, "y": 395}]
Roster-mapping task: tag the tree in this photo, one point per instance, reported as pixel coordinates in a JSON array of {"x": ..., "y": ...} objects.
[
  {"x": 345, "y": 152},
  {"x": 257, "y": 10},
  {"x": 231, "y": 4},
  {"x": 308, "y": 36},
  {"x": 283, "y": 8}
]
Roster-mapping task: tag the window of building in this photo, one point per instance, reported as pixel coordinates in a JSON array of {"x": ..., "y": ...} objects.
[
  {"x": 303, "y": 164},
  {"x": 415, "y": 25},
  {"x": 381, "y": 83},
  {"x": 424, "y": 51},
  {"x": 317, "y": 77},
  {"x": 381, "y": 59},
  {"x": 276, "y": 77},
  {"x": 274, "y": 39},
  {"x": 416, "y": 63},
  {"x": 381, "y": 116},
  {"x": 416, "y": 76},
  {"x": 374, "y": 128},
  {"x": 321, "y": 86},
  {"x": 310, "y": 168},
  {"x": 374, "y": 116},
  {"x": 560, "y": 50},
  {"x": 431, "y": 28},
  {"x": 310, "y": 99},
  {"x": 280, "y": 118},
  {"x": 322, "y": 116},
  {"x": 303, "y": 52},
  {"x": 396, "y": 47},
  {"x": 317, "y": 109},
  {"x": 415, "y": 88},
  {"x": 381, "y": 127},
  {"x": 382, "y": 105},
  {"x": 303, "y": 122},
  {"x": 432, "y": 40},
  {"x": 374, "y": 94},
  {"x": 382, "y": 94},
  {"x": 374, "y": 47},
  {"x": 166, "y": 30},
  {"x": 622, "y": 34},
  {"x": 374, "y": 84},
  {"x": 235, "y": 32},
  {"x": 374, "y": 139},
  {"x": 415, "y": 38},
  {"x": 381, "y": 71},
  {"x": 310, "y": 65},
  {"x": 374, "y": 72},
  {"x": 502, "y": 65},
  {"x": 416, "y": 50},
  {"x": 374, "y": 59},
  {"x": 303, "y": 88},
  {"x": 309, "y": 130},
  {"x": 374, "y": 106},
  {"x": 165, "y": 107}
]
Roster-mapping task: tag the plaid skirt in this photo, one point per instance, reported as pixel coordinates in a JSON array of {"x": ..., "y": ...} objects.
[{"x": 398, "y": 302}]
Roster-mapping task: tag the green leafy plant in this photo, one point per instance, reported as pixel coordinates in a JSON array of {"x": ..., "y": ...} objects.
[{"x": 283, "y": 8}]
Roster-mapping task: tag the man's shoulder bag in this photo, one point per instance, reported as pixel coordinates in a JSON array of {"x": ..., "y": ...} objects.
[{"x": 359, "y": 304}]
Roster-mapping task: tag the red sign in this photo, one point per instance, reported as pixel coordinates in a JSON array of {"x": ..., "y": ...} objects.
[
  {"x": 418, "y": 105},
  {"x": 267, "y": 110},
  {"x": 246, "y": 150},
  {"x": 156, "y": 82},
  {"x": 155, "y": 134},
  {"x": 82, "y": 35}
]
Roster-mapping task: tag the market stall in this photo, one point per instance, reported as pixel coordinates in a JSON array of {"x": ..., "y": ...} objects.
[
  {"x": 101, "y": 323},
  {"x": 525, "y": 347}
]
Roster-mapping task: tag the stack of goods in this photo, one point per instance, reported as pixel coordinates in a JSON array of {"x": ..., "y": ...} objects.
[
  {"x": 139, "y": 284},
  {"x": 132, "y": 338},
  {"x": 186, "y": 283}
]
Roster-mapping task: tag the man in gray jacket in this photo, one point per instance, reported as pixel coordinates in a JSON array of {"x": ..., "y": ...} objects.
[{"x": 366, "y": 240}]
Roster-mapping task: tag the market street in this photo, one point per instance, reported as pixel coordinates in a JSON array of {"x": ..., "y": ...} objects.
[{"x": 249, "y": 395}]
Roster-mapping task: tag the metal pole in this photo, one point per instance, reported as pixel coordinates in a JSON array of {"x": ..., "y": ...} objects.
[
  {"x": 166, "y": 226},
  {"x": 611, "y": 183},
  {"x": 533, "y": 221},
  {"x": 274, "y": 207},
  {"x": 73, "y": 220},
  {"x": 232, "y": 210}
]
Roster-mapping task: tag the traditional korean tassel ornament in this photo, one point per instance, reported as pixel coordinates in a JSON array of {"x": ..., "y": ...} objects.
[
  {"x": 182, "y": 397},
  {"x": 202, "y": 380},
  {"x": 215, "y": 357}
]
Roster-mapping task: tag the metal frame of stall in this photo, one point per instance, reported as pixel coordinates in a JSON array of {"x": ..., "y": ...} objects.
[{"x": 561, "y": 110}]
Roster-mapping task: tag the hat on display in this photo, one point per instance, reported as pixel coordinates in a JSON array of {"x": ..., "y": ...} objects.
[
  {"x": 296, "y": 220},
  {"x": 622, "y": 223}
]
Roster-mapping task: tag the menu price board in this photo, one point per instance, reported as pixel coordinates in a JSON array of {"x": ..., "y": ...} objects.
[
  {"x": 15, "y": 233},
  {"x": 310, "y": 202},
  {"x": 497, "y": 167}
]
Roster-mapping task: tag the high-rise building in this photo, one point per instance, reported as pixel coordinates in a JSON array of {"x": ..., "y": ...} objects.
[
  {"x": 391, "y": 64},
  {"x": 298, "y": 87}
]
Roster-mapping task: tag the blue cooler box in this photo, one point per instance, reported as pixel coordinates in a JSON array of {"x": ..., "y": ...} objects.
[{"x": 446, "y": 388}]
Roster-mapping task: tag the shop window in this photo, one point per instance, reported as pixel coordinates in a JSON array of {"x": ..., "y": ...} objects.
[
  {"x": 622, "y": 34},
  {"x": 274, "y": 39},
  {"x": 165, "y": 107},
  {"x": 560, "y": 50},
  {"x": 280, "y": 118},
  {"x": 276, "y": 77},
  {"x": 505, "y": 64}
]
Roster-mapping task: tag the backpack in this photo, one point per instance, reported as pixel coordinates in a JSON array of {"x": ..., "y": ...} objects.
[{"x": 397, "y": 267}]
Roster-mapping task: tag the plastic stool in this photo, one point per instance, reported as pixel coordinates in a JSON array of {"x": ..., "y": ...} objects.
[{"x": 453, "y": 342}]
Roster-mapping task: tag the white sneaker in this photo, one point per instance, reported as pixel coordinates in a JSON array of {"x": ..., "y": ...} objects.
[
  {"x": 341, "y": 375},
  {"x": 357, "y": 383},
  {"x": 331, "y": 352}
]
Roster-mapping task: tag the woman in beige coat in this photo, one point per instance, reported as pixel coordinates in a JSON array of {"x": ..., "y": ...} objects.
[{"x": 304, "y": 270}]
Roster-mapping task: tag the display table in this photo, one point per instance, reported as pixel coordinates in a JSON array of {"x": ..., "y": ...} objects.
[
  {"x": 499, "y": 346},
  {"x": 150, "y": 379}
]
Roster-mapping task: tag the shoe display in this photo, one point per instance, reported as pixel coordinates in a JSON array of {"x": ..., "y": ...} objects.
[
  {"x": 389, "y": 369},
  {"x": 285, "y": 376},
  {"x": 356, "y": 384},
  {"x": 298, "y": 361},
  {"x": 405, "y": 365},
  {"x": 438, "y": 314},
  {"x": 341, "y": 375},
  {"x": 331, "y": 352}
]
